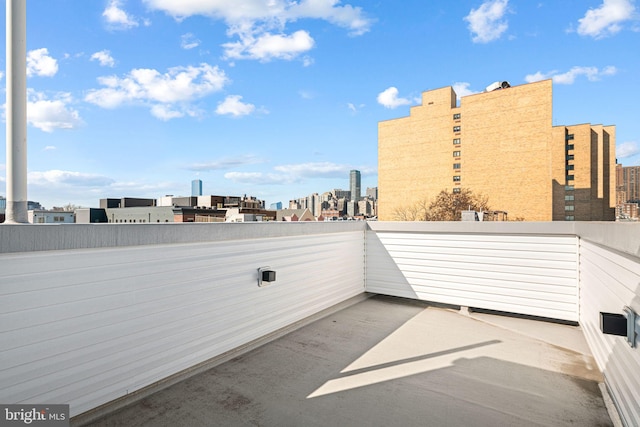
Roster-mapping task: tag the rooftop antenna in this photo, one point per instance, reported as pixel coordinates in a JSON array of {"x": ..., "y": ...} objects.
[{"x": 16, "y": 210}]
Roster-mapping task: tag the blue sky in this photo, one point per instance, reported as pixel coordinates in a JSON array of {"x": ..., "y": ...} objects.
[{"x": 279, "y": 99}]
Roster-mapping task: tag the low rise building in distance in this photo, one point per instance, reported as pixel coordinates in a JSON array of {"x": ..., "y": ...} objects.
[
  {"x": 90, "y": 215},
  {"x": 129, "y": 210},
  {"x": 628, "y": 212},
  {"x": 294, "y": 215},
  {"x": 234, "y": 215},
  {"x": 126, "y": 202},
  {"x": 39, "y": 216}
]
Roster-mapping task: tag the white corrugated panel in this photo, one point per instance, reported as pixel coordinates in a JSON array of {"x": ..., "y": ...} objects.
[
  {"x": 526, "y": 274},
  {"x": 609, "y": 281},
  {"x": 87, "y": 326}
]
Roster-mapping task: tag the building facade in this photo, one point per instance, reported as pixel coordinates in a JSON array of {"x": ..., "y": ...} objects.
[
  {"x": 628, "y": 184},
  {"x": 39, "y": 216},
  {"x": 196, "y": 188},
  {"x": 501, "y": 144},
  {"x": 354, "y": 185}
]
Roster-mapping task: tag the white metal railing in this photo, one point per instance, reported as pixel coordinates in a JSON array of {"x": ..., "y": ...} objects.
[
  {"x": 534, "y": 274},
  {"x": 87, "y": 326}
]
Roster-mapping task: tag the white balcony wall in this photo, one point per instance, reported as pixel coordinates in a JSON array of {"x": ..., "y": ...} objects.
[
  {"x": 87, "y": 326},
  {"x": 531, "y": 270},
  {"x": 610, "y": 280}
]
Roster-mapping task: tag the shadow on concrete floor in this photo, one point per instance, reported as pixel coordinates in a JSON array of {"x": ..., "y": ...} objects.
[{"x": 385, "y": 362}]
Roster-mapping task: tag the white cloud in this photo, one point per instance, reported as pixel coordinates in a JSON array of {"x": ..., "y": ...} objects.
[
  {"x": 167, "y": 94},
  {"x": 104, "y": 57},
  {"x": 462, "y": 89},
  {"x": 260, "y": 24},
  {"x": 354, "y": 108},
  {"x": 165, "y": 112},
  {"x": 538, "y": 76},
  {"x": 50, "y": 114},
  {"x": 258, "y": 178},
  {"x": 269, "y": 46},
  {"x": 67, "y": 178},
  {"x": 294, "y": 173},
  {"x": 117, "y": 18},
  {"x": 225, "y": 163},
  {"x": 389, "y": 98},
  {"x": 606, "y": 20},
  {"x": 486, "y": 23},
  {"x": 49, "y": 148},
  {"x": 627, "y": 149},
  {"x": 591, "y": 73},
  {"x": 39, "y": 63},
  {"x": 189, "y": 41},
  {"x": 232, "y": 105},
  {"x": 268, "y": 12},
  {"x": 320, "y": 170}
]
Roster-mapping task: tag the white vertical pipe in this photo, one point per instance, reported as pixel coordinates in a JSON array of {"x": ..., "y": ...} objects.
[{"x": 16, "y": 211}]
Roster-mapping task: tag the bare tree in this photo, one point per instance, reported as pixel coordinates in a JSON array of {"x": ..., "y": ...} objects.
[
  {"x": 66, "y": 208},
  {"x": 445, "y": 206}
]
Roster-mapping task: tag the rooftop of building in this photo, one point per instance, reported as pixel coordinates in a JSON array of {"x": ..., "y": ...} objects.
[
  {"x": 167, "y": 324},
  {"x": 387, "y": 361}
]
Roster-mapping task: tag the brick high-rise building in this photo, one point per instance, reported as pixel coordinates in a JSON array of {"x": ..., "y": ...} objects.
[
  {"x": 503, "y": 145},
  {"x": 628, "y": 183}
]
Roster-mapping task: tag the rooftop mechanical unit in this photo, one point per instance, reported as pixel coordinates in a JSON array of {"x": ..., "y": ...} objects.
[{"x": 497, "y": 85}]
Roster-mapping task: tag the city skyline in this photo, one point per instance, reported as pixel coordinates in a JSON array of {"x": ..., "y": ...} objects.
[{"x": 140, "y": 97}]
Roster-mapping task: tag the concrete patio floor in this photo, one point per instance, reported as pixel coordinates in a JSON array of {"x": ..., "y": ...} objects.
[{"x": 393, "y": 362}]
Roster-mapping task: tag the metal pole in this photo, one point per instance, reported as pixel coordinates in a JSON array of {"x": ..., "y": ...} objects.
[{"x": 16, "y": 210}]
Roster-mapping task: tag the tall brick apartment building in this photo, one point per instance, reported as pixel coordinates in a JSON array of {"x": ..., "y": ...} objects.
[
  {"x": 628, "y": 183},
  {"x": 502, "y": 144}
]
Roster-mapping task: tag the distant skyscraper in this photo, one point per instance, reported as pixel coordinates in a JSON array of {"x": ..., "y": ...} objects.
[
  {"x": 276, "y": 206},
  {"x": 372, "y": 193},
  {"x": 629, "y": 183},
  {"x": 196, "y": 188},
  {"x": 354, "y": 185}
]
